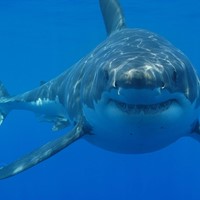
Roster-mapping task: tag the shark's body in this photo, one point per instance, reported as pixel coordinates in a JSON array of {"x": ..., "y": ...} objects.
[{"x": 134, "y": 93}]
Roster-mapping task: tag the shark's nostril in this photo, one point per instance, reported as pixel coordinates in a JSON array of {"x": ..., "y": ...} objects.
[
  {"x": 116, "y": 84},
  {"x": 162, "y": 85}
]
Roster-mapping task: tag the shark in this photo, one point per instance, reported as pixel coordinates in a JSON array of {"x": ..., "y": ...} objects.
[{"x": 134, "y": 93}]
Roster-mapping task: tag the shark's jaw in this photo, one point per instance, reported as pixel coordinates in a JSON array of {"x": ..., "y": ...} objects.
[
  {"x": 146, "y": 109},
  {"x": 139, "y": 121}
]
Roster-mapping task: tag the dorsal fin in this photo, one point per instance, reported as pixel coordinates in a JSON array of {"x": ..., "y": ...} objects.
[{"x": 112, "y": 15}]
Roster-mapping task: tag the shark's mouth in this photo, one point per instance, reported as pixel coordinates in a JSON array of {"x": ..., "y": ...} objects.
[{"x": 143, "y": 108}]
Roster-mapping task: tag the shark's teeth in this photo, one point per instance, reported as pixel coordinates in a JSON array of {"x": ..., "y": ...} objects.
[{"x": 146, "y": 109}]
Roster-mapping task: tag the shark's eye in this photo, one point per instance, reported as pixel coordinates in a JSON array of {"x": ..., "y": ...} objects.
[
  {"x": 174, "y": 76},
  {"x": 106, "y": 75}
]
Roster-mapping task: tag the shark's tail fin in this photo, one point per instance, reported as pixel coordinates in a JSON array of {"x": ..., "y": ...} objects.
[{"x": 4, "y": 96}]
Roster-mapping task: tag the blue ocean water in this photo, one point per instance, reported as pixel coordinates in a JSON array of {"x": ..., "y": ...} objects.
[{"x": 39, "y": 40}]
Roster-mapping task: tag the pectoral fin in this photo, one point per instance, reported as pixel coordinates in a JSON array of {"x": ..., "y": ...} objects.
[{"x": 41, "y": 153}]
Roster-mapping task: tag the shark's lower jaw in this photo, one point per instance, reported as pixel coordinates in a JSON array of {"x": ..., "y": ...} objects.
[
  {"x": 143, "y": 108},
  {"x": 139, "y": 121}
]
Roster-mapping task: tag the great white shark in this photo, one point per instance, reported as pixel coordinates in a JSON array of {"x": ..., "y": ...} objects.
[{"x": 134, "y": 93}]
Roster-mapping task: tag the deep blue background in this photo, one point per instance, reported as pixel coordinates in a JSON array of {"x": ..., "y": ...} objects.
[{"x": 41, "y": 38}]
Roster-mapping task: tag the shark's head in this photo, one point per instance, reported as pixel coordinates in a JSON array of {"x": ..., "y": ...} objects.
[{"x": 141, "y": 92}]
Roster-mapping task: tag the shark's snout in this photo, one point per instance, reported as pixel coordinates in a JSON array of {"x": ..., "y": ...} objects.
[{"x": 138, "y": 79}]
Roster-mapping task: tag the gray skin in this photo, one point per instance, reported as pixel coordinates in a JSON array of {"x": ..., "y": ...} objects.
[{"x": 134, "y": 93}]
